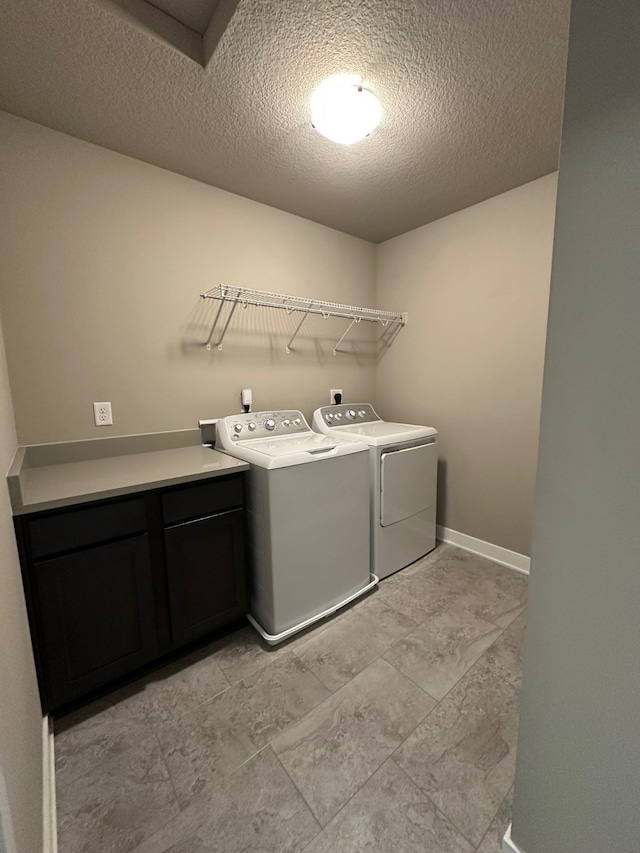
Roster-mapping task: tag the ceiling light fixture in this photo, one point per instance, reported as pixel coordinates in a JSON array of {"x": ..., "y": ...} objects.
[{"x": 343, "y": 110}]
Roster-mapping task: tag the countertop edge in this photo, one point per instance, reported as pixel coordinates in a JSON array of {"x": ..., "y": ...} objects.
[
  {"x": 89, "y": 497},
  {"x": 27, "y": 501},
  {"x": 13, "y": 478}
]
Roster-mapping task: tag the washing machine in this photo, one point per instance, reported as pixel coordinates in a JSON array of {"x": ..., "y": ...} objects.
[
  {"x": 403, "y": 481},
  {"x": 308, "y": 519}
]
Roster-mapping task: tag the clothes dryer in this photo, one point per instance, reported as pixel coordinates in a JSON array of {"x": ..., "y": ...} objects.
[{"x": 403, "y": 481}]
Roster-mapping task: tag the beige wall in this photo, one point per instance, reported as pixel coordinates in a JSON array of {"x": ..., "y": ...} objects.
[
  {"x": 102, "y": 260},
  {"x": 469, "y": 361},
  {"x": 20, "y": 715},
  {"x": 578, "y": 769}
]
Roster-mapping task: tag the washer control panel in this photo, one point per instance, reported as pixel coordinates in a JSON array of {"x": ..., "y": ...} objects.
[
  {"x": 348, "y": 413},
  {"x": 250, "y": 425}
]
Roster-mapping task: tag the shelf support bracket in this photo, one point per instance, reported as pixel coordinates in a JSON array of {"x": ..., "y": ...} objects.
[
  {"x": 215, "y": 323},
  {"x": 348, "y": 329},
  {"x": 226, "y": 326},
  {"x": 299, "y": 326}
]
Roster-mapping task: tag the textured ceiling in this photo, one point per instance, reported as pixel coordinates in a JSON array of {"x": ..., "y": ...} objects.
[{"x": 471, "y": 89}]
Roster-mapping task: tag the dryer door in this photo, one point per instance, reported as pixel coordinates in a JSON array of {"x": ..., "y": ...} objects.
[{"x": 407, "y": 481}]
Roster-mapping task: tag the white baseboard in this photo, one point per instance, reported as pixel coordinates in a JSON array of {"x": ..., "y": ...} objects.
[
  {"x": 49, "y": 818},
  {"x": 512, "y": 559},
  {"x": 507, "y": 844}
]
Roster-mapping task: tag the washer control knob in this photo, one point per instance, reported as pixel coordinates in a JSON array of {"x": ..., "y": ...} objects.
[
  {"x": 286, "y": 422},
  {"x": 297, "y": 421},
  {"x": 251, "y": 427},
  {"x": 351, "y": 414},
  {"x": 329, "y": 417},
  {"x": 270, "y": 424},
  {"x": 339, "y": 416},
  {"x": 362, "y": 413},
  {"x": 237, "y": 427}
]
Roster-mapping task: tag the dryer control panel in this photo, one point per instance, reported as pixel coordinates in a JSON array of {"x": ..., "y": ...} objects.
[
  {"x": 250, "y": 425},
  {"x": 348, "y": 413}
]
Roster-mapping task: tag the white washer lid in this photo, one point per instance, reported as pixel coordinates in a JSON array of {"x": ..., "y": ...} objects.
[
  {"x": 283, "y": 451},
  {"x": 285, "y": 446},
  {"x": 379, "y": 433}
]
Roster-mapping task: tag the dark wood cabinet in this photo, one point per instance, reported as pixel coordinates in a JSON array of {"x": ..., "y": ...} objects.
[
  {"x": 112, "y": 586},
  {"x": 206, "y": 590},
  {"x": 97, "y": 614}
]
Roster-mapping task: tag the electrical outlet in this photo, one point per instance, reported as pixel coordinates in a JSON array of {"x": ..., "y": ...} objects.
[
  {"x": 102, "y": 414},
  {"x": 335, "y": 391}
]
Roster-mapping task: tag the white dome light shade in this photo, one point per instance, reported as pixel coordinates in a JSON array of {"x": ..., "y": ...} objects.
[{"x": 343, "y": 111}]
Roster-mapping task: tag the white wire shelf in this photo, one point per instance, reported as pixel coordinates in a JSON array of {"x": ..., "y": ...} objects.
[{"x": 234, "y": 296}]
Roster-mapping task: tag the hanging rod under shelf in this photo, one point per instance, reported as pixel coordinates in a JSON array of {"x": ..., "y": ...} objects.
[{"x": 264, "y": 299}]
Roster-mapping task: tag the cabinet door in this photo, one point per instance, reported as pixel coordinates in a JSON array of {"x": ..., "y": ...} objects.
[
  {"x": 206, "y": 574},
  {"x": 97, "y": 614}
]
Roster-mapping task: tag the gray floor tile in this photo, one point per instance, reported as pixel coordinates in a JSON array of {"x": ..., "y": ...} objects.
[
  {"x": 417, "y": 596},
  {"x": 459, "y": 569},
  {"x": 189, "y": 845},
  {"x": 422, "y": 589},
  {"x": 463, "y": 754},
  {"x": 337, "y": 747},
  {"x": 172, "y": 691},
  {"x": 256, "y": 808},
  {"x": 221, "y": 734},
  {"x": 127, "y": 716},
  {"x": 503, "y": 659},
  {"x": 86, "y": 738},
  {"x": 349, "y": 646},
  {"x": 498, "y": 598},
  {"x": 116, "y": 808},
  {"x": 389, "y": 814},
  {"x": 498, "y": 570},
  {"x": 440, "y": 552},
  {"x": 243, "y": 652},
  {"x": 206, "y": 744},
  {"x": 278, "y": 696},
  {"x": 492, "y": 842},
  {"x": 437, "y": 654}
]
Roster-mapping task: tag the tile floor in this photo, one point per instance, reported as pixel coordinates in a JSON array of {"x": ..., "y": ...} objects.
[{"x": 390, "y": 729}]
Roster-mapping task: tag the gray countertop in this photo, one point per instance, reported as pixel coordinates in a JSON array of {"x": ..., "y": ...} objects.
[{"x": 48, "y": 476}]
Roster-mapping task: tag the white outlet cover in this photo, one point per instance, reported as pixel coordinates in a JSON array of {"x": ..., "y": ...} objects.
[
  {"x": 333, "y": 392},
  {"x": 102, "y": 414}
]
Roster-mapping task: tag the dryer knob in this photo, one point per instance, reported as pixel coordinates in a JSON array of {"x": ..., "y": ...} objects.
[
  {"x": 339, "y": 416},
  {"x": 351, "y": 414},
  {"x": 237, "y": 427},
  {"x": 270, "y": 424},
  {"x": 286, "y": 422},
  {"x": 297, "y": 421},
  {"x": 251, "y": 427},
  {"x": 329, "y": 417},
  {"x": 362, "y": 413}
]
